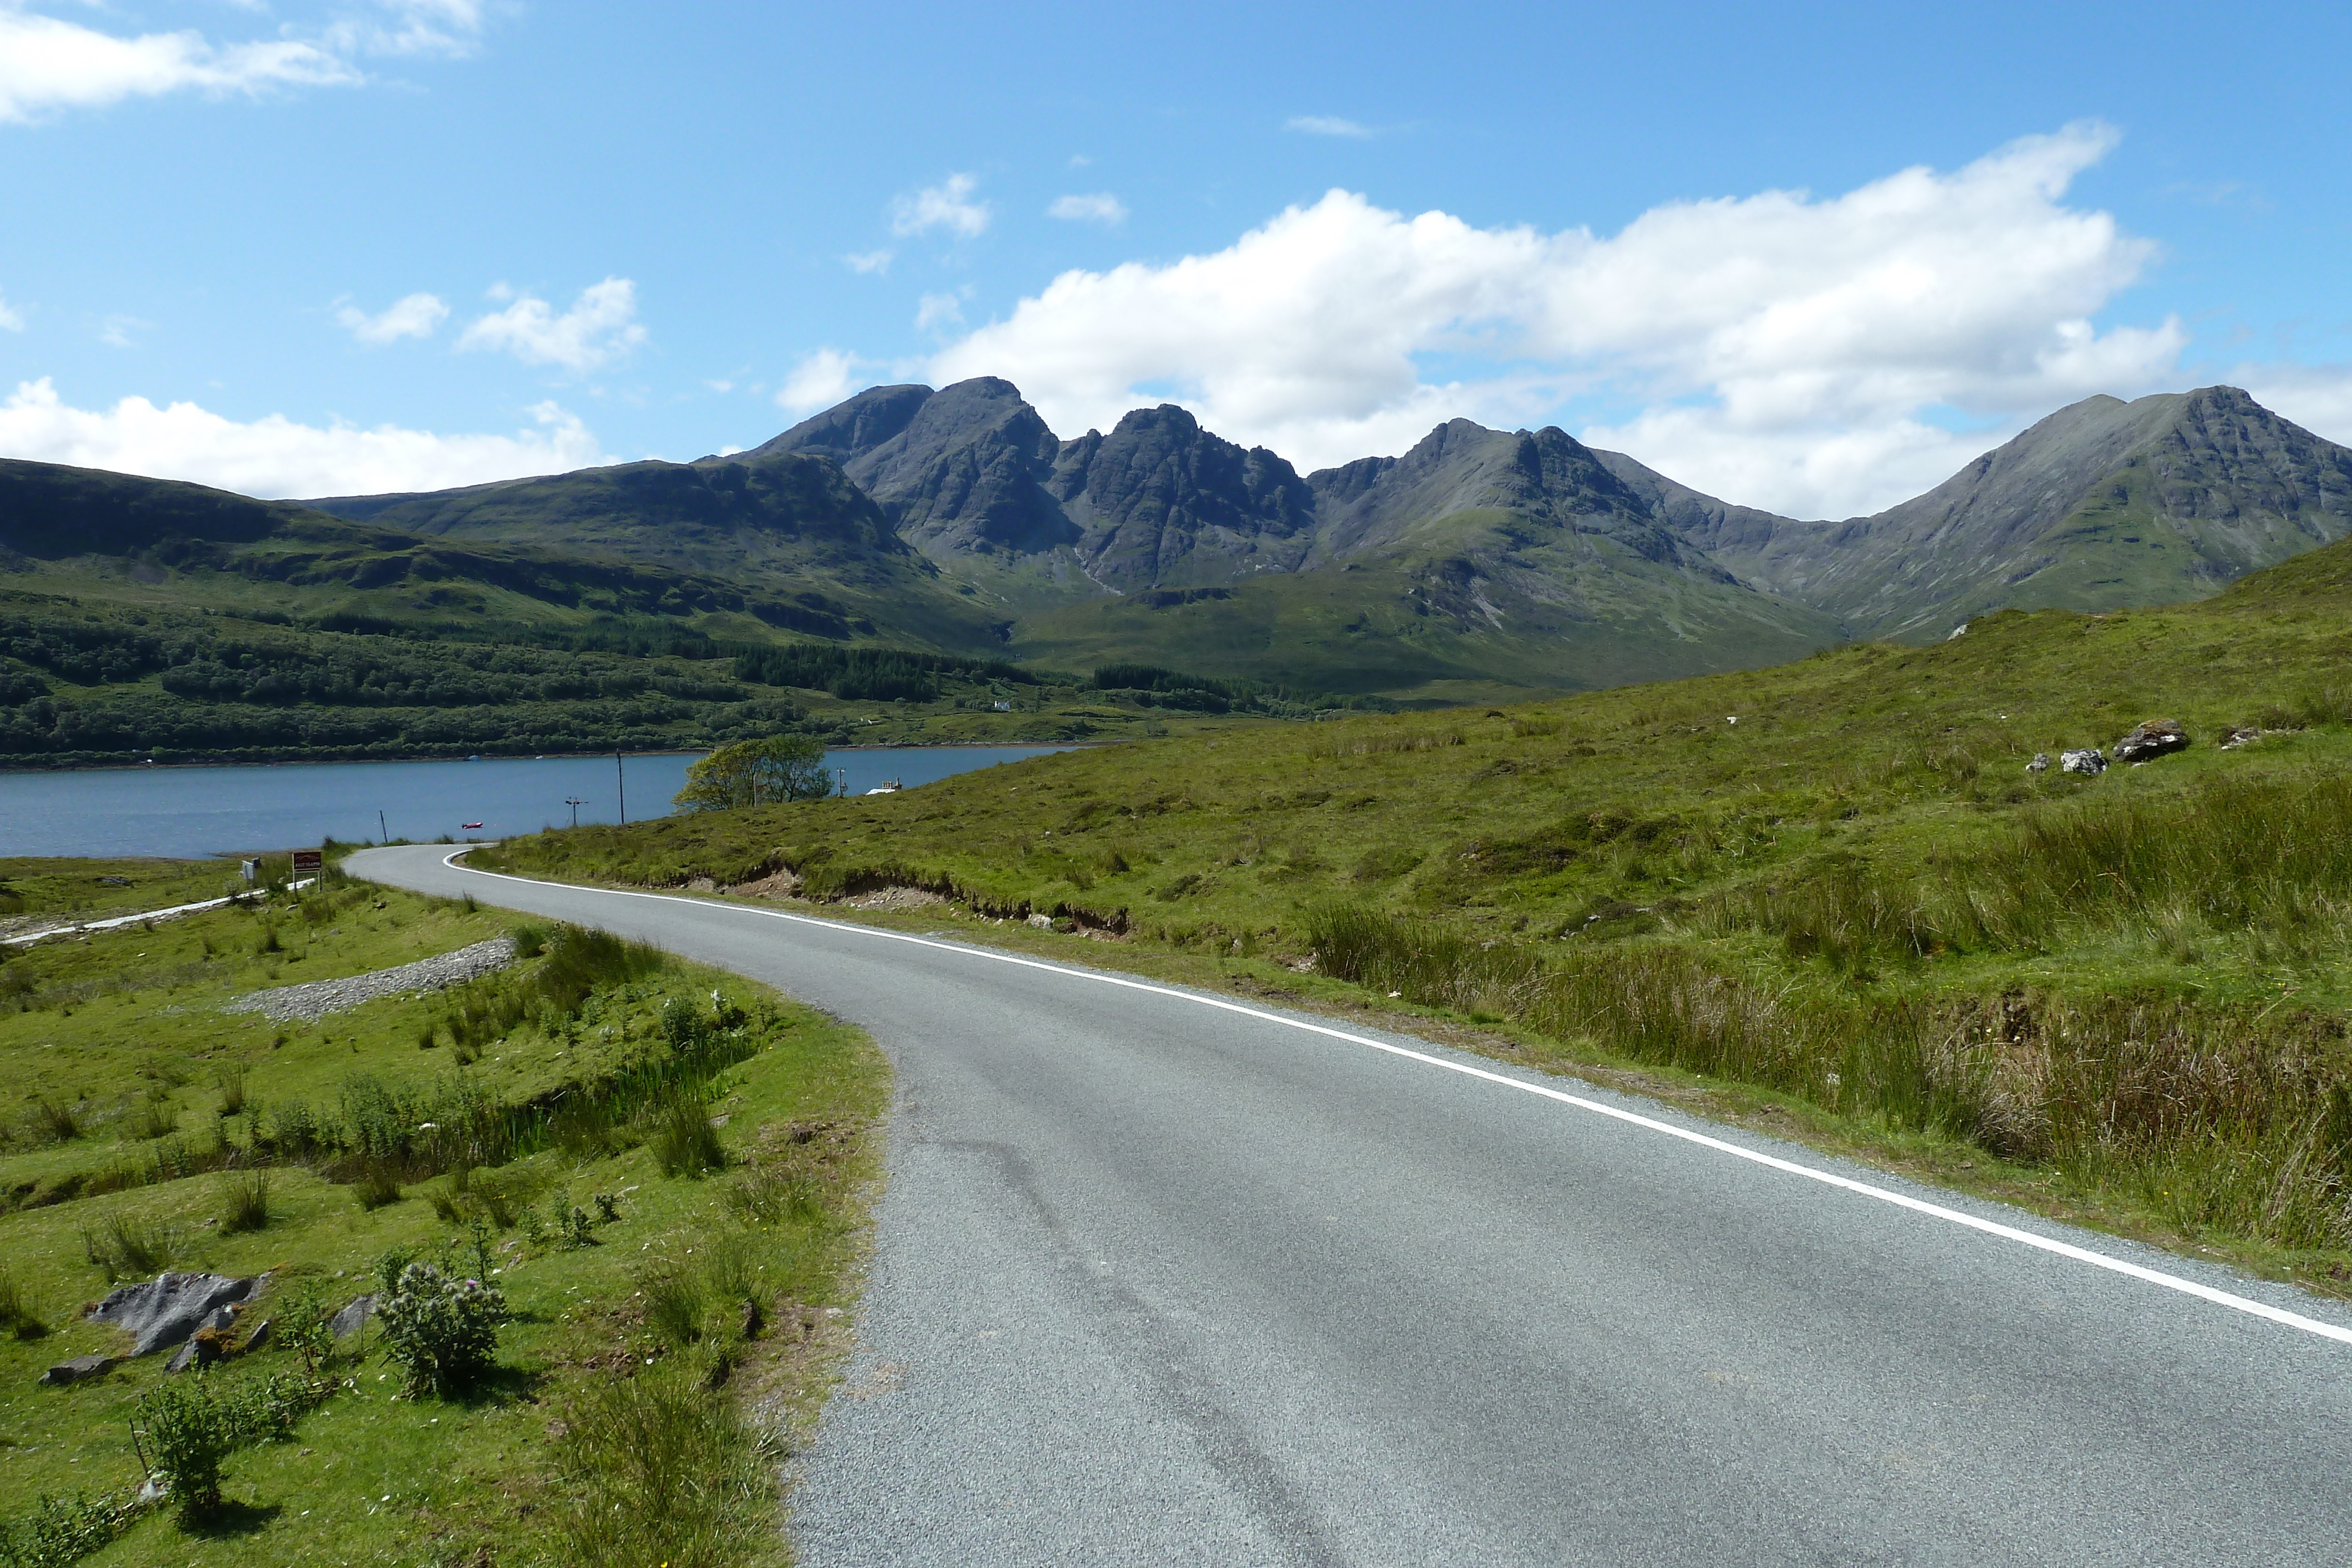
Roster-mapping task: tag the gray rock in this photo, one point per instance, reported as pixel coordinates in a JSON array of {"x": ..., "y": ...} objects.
[
  {"x": 2090, "y": 762},
  {"x": 2041, "y": 763},
  {"x": 166, "y": 1309},
  {"x": 2245, "y": 735},
  {"x": 257, "y": 1339},
  {"x": 79, "y": 1368},
  {"x": 2156, "y": 737},
  {"x": 1041, "y": 922},
  {"x": 352, "y": 1317},
  {"x": 196, "y": 1351}
]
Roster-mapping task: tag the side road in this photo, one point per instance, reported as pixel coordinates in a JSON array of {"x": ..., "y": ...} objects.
[{"x": 1163, "y": 1276}]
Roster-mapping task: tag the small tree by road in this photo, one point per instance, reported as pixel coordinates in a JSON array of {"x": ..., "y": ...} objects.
[{"x": 756, "y": 773}]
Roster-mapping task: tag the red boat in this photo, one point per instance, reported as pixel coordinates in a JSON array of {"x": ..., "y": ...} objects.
[{"x": 469, "y": 825}]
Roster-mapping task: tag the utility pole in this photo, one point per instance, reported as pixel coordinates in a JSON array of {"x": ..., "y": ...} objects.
[
  {"x": 624, "y": 778},
  {"x": 383, "y": 833},
  {"x": 575, "y": 802}
]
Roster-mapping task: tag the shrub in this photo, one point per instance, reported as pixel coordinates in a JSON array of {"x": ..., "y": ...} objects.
[
  {"x": 247, "y": 1197},
  {"x": 191, "y": 1430},
  {"x": 232, "y": 1088},
  {"x": 442, "y": 1330},
  {"x": 61, "y": 1530}
]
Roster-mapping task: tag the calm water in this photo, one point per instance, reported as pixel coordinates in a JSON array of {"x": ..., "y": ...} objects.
[{"x": 217, "y": 810}]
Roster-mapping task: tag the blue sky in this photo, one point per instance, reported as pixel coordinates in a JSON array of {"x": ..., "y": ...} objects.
[{"x": 1810, "y": 262}]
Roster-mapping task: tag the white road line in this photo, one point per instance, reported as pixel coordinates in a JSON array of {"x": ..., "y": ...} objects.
[{"x": 1827, "y": 1178}]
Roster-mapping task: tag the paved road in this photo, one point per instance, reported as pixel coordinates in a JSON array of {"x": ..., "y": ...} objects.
[{"x": 1162, "y": 1281}]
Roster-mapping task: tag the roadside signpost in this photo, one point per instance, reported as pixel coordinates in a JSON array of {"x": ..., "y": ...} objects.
[{"x": 308, "y": 862}]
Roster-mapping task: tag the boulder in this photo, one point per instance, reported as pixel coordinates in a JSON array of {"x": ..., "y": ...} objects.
[
  {"x": 1041, "y": 922},
  {"x": 79, "y": 1368},
  {"x": 163, "y": 1312},
  {"x": 2156, "y": 737},
  {"x": 2090, "y": 762},
  {"x": 2245, "y": 735},
  {"x": 352, "y": 1317},
  {"x": 2041, "y": 763}
]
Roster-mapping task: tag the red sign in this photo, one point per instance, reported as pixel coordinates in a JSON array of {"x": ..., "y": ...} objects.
[{"x": 308, "y": 861}]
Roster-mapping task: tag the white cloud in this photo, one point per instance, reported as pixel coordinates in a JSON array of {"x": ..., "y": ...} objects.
[
  {"x": 2317, "y": 397},
  {"x": 412, "y": 316},
  {"x": 600, "y": 327},
  {"x": 10, "y": 320},
  {"x": 451, "y": 27},
  {"x": 115, "y": 332},
  {"x": 1101, "y": 207},
  {"x": 1325, "y": 125},
  {"x": 47, "y": 65},
  {"x": 822, "y": 378},
  {"x": 1782, "y": 350},
  {"x": 275, "y": 456},
  {"x": 938, "y": 309},
  {"x": 947, "y": 205},
  {"x": 869, "y": 262}
]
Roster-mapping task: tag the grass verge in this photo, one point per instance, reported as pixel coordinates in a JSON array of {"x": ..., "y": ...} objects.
[{"x": 545, "y": 1176}]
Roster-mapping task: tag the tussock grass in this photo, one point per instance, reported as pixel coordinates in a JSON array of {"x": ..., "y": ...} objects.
[
  {"x": 126, "y": 1247},
  {"x": 2241, "y": 1120},
  {"x": 245, "y": 1201},
  {"x": 18, "y": 1316},
  {"x": 660, "y": 1468}
]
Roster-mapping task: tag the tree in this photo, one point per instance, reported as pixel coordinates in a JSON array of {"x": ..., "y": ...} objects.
[{"x": 756, "y": 773}]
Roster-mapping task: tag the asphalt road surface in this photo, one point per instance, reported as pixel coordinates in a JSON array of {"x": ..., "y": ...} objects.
[{"x": 1163, "y": 1279}]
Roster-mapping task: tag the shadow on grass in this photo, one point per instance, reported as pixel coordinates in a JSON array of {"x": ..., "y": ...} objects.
[
  {"x": 500, "y": 1385},
  {"x": 233, "y": 1518}
]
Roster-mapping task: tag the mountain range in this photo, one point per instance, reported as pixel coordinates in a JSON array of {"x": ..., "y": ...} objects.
[{"x": 1478, "y": 562}]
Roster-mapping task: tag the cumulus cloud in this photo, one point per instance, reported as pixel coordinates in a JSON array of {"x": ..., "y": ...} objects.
[
  {"x": 822, "y": 378},
  {"x": 413, "y": 316},
  {"x": 600, "y": 327},
  {"x": 946, "y": 205},
  {"x": 870, "y": 261},
  {"x": 115, "y": 330},
  {"x": 1101, "y": 207},
  {"x": 1801, "y": 352},
  {"x": 48, "y": 64},
  {"x": 10, "y": 320},
  {"x": 275, "y": 456},
  {"x": 1325, "y": 125}
]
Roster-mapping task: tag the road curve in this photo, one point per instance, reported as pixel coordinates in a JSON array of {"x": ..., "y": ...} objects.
[{"x": 1164, "y": 1281}]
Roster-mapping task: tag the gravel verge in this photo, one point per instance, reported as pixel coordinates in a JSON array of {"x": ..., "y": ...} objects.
[{"x": 316, "y": 998}]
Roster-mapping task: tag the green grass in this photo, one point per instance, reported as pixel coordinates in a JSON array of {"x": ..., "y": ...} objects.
[
  {"x": 2126, "y": 995},
  {"x": 528, "y": 1468},
  {"x": 37, "y": 891}
]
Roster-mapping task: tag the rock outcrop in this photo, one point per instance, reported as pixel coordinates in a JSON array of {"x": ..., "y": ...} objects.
[{"x": 2156, "y": 737}]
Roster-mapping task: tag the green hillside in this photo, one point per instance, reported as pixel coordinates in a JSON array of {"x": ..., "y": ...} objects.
[{"x": 1836, "y": 881}]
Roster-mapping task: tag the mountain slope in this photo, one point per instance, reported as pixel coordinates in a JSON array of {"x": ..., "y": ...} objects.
[
  {"x": 780, "y": 526},
  {"x": 1479, "y": 556},
  {"x": 2102, "y": 505}
]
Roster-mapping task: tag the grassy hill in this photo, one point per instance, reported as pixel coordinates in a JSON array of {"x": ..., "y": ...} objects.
[{"x": 1836, "y": 881}]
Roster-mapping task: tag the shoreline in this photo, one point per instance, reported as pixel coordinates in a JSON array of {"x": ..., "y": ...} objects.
[{"x": 543, "y": 756}]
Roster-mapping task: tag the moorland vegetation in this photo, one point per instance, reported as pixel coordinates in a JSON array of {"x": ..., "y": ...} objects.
[{"x": 1840, "y": 883}]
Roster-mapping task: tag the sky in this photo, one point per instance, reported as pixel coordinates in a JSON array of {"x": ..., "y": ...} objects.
[{"x": 1810, "y": 258}]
